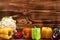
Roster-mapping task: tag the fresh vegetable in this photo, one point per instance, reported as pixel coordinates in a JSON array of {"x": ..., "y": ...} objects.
[
  {"x": 18, "y": 35},
  {"x": 56, "y": 34},
  {"x": 36, "y": 33},
  {"x": 26, "y": 32},
  {"x": 8, "y": 21},
  {"x": 46, "y": 32},
  {"x": 6, "y": 33},
  {"x": 56, "y": 30}
]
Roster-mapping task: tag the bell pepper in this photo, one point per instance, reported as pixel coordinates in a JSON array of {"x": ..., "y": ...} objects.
[
  {"x": 26, "y": 33},
  {"x": 46, "y": 32},
  {"x": 6, "y": 33},
  {"x": 36, "y": 33},
  {"x": 18, "y": 35}
]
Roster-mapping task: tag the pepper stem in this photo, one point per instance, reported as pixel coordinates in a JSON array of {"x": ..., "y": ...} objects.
[
  {"x": 24, "y": 33},
  {"x": 9, "y": 33},
  {"x": 34, "y": 26}
]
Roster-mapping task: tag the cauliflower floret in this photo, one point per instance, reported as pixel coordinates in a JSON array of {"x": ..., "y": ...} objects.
[
  {"x": 8, "y": 22},
  {"x": 0, "y": 24}
]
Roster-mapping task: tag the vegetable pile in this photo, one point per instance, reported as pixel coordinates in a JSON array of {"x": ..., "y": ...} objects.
[
  {"x": 7, "y": 27},
  {"x": 8, "y": 31}
]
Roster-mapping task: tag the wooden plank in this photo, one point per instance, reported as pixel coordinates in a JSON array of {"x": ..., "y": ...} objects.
[
  {"x": 18, "y": 1},
  {"x": 3, "y": 1}
]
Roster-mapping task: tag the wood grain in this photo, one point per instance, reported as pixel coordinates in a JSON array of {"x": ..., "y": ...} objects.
[{"x": 36, "y": 12}]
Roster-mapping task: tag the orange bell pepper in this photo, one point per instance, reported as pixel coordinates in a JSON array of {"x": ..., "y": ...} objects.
[{"x": 26, "y": 32}]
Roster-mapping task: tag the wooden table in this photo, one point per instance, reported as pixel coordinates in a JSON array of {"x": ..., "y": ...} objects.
[{"x": 25, "y": 39}]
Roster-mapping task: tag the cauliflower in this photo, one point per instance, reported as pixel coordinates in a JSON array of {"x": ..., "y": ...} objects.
[
  {"x": 0, "y": 24},
  {"x": 8, "y": 22}
]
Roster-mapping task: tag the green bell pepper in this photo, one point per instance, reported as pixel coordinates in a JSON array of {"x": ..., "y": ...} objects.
[{"x": 36, "y": 33}]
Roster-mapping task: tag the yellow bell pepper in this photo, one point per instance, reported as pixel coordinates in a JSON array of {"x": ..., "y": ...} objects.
[
  {"x": 6, "y": 33},
  {"x": 46, "y": 32}
]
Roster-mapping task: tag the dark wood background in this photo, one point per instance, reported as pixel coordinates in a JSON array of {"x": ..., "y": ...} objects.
[{"x": 29, "y": 13}]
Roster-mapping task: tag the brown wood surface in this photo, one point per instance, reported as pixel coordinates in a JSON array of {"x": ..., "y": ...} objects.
[{"x": 34, "y": 12}]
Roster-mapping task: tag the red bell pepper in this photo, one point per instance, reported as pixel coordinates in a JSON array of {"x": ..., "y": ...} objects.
[{"x": 18, "y": 35}]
